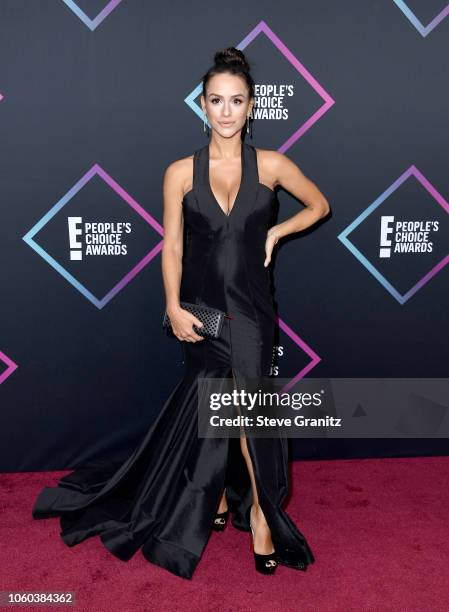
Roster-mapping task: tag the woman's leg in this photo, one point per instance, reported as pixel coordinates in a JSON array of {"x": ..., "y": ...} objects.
[
  {"x": 263, "y": 544},
  {"x": 223, "y": 506},
  {"x": 262, "y": 535}
]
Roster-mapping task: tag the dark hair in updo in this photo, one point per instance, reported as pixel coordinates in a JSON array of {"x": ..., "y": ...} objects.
[{"x": 230, "y": 60}]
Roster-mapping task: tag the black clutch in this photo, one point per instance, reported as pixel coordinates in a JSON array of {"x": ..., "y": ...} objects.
[{"x": 211, "y": 318}]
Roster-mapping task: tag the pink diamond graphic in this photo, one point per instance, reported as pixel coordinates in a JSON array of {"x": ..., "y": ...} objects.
[
  {"x": 128, "y": 199},
  {"x": 263, "y": 28},
  {"x": 314, "y": 358},
  {"x": 10, "y": 367}
]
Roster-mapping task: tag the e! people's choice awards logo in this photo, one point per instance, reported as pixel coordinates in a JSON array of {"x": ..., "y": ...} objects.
[
  {"x": 271, "y": 101},
  {"x": 285, "y": 91},
  {"x": 97, "y": 237},
  {"x": 402, "y": 237}
]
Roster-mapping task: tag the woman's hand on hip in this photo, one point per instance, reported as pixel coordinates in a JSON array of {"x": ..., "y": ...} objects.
[{"x": 271, "y": 240}]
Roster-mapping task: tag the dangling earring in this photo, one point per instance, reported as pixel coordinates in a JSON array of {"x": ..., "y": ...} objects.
[
  {"x": 249, "y": 128},
  {"x": 205, "y": 127}
]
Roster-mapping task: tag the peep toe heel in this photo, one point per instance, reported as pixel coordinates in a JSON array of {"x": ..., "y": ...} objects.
[
  {"x": 220, "y": 520},
  {"x": 265, "y": 564}
]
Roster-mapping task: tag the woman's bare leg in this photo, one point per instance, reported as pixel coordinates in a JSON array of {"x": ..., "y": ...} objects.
[
  {"x": 223, "y": 506},
  {"x": 263, "y": 544}
]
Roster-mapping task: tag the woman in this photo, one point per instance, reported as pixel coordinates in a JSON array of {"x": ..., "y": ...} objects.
[{"x": 176, "y": 487}]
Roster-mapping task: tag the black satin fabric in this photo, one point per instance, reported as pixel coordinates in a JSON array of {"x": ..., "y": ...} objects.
[{"x": 162, "y": 499}]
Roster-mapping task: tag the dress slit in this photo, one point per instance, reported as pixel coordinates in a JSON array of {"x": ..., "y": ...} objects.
[{"x": 163, "y": 498}]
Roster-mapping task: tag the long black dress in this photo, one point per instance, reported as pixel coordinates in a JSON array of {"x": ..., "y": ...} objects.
[{"x": 164, "y": 496}]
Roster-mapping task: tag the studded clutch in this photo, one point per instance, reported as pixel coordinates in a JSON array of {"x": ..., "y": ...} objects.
[{"x": 212, "y": 319}]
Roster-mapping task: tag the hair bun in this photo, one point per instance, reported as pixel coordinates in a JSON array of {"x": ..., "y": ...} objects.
[{"x": 231, "y": 55}]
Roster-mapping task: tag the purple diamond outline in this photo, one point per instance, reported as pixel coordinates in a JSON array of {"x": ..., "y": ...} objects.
[
  {"x": 422, "y": 29},
  {"x": 11, "y": 366},
  {"x": 128, "y": 199},
  {"x": 314, "y": 358},
  {"x": 343, "y": 236},
  {"x": 92, "y": 24},
  {"x": 299, "y": 67}
]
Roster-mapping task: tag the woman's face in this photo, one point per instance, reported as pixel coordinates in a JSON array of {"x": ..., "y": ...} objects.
[{"x": 227, "y": 103}]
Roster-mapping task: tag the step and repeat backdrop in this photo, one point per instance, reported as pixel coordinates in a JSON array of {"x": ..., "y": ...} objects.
[{"x": 97, "y": 98}]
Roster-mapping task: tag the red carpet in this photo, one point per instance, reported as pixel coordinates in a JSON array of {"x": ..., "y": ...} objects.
[{"x": 378, "y": 529}]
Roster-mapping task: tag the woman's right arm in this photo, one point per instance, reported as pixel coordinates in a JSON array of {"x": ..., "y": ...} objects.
[{"x": 172, "y": 251}]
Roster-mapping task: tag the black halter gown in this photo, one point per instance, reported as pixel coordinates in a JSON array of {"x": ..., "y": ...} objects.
[{"x": 163, "y": 498}]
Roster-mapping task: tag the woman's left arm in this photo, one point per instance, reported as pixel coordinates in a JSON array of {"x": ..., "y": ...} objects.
[{"x": 287, "y": 175}]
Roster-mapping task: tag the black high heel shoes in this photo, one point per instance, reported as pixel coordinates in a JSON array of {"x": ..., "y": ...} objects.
[
  {"x": 220, "y": 521},
  {"x": 265, "y": 564}
]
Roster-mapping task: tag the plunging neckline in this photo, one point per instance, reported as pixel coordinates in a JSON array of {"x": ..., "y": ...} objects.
[{"x": 226, "y": 214}]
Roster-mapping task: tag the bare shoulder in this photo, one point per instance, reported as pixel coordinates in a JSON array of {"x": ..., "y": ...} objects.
[
  {"x": 271, "y": 164},
  {"x": 271, "y": 157},
  {"x": 178, "y": 174}
]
